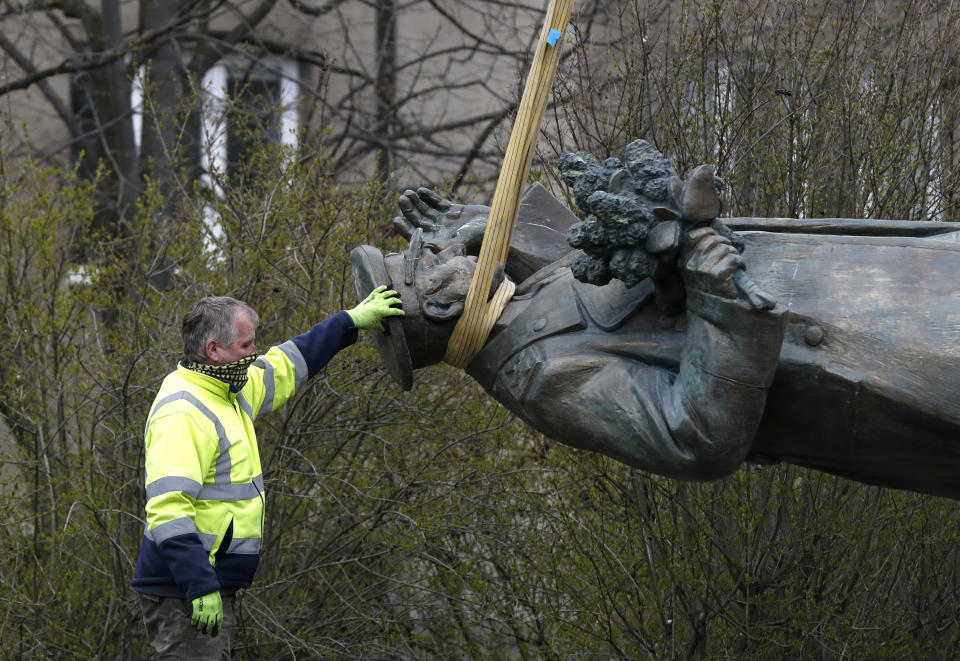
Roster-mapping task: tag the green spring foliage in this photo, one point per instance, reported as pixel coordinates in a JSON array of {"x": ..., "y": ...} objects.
[{"x": 431, "y": 524}]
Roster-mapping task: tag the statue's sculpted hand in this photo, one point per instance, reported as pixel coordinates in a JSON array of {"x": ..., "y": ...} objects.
[
  {"x": 443, "y": 222},
  {"x": 710, "y": 263}
]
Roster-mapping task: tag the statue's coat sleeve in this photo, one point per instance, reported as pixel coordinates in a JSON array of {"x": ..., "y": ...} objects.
[{"x": 559, "y": 365}]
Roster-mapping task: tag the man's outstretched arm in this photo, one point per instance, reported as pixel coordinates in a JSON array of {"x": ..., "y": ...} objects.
[{"x": 277, "y": 374}]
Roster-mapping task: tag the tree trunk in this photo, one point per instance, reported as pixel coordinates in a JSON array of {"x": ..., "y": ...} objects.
[
  {"x": 110, "y": 92},
  {"x": 386, "y": 84}
]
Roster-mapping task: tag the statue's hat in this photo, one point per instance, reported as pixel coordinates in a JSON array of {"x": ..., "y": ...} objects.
[{"x": 370, "y": 270}]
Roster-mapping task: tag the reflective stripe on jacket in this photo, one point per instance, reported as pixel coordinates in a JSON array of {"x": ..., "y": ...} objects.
[{"x": 204, "y": 482}]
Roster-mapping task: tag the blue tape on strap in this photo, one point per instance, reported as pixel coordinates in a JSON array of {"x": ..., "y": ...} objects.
[{"x": 553, "y": 36}]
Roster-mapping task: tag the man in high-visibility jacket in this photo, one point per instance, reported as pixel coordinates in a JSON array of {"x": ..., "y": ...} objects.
[{"x": 204, "y": 485}]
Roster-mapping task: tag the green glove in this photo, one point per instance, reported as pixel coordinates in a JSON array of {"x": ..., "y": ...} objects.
[
  {"x": 375, "y": 307},
  {"x": 207, "y": 613}
]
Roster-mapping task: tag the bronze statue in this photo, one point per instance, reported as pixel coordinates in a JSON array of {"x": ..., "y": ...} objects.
[{"x": 691, "y": 370}]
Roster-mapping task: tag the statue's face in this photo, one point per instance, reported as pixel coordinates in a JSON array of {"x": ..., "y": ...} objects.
[
  {"x": 442, "y": 283},
  {"x": 443, "y": 280},
  {"x": 433, "y": 301}
]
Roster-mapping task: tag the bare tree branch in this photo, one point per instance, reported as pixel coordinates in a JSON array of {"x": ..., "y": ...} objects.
[
  {"x": 324, "y": 9},
  {"x": 97, "y": 58},
  {"x": 46, "y": 89}
]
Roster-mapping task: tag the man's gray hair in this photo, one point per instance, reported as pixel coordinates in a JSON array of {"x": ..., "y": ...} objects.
[{"x": 212, "y": 318}]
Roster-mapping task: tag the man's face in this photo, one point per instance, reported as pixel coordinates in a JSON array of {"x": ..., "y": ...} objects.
[{"x": 244, "y": 345}]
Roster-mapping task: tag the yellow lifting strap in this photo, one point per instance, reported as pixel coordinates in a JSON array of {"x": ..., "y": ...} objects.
[{"x": 479, "y": 316}]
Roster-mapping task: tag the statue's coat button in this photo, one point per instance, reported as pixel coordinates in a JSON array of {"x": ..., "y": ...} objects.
[
  {"x": 813, "y": 335},
  {"x": 539, "y": 325}
]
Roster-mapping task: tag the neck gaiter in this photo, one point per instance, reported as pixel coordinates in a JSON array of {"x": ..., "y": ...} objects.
[{"x": 234, "y": 373}]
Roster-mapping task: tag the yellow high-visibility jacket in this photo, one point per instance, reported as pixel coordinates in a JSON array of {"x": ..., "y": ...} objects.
[{"x": 204, "y": 483}]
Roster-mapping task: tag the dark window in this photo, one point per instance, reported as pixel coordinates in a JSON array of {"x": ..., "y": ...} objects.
[
  {"x": 253, "y": 116},
  {"x": 83, "y": 148}
]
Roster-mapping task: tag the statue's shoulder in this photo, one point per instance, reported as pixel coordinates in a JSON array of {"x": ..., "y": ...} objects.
[{"x": 607, "y": 307}]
